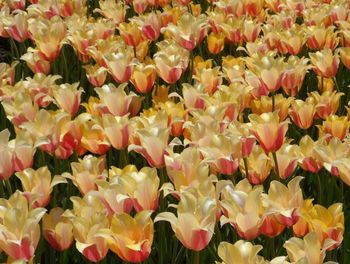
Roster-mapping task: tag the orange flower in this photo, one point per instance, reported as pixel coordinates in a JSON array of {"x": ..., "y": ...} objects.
[
  {"x": 20, "y": 229},
  {"x": 209, "y": 78},
  {"x": 120, "y": 65},
  {"x": 259, "y": 166},
  {"x": 16, "y": 25},
  {"x": 96, "y": 74},
  {"x": 37, "y": 185},
  {"x": 130, "y": 237},
  {"x": 143, "y": 77},
  {"x": 243, "y": 210},
  {"x": 241, "y": 252},
  {"x": 151, "y": 144},
  {"x": 216, "y": 42},
  {"x": 268, "y": 130},
  {"x": 86, "y": 172},
  {"x": 67, "y": 97},
  {"x": 335, "y": 126},
  {"x": 88, "y": 219},
  {"x": 195, "y": 221},
  {"x": 303, "y": 112},
  {"x": 112, "y": 10},
  {"x": 35, "y": 61},
  {"x": 308, "y": 160},
  {"x": 130, "y": 33},
  {"x": 287, "y": 158},
  {"x": 48, "y": 36},
  {"x": 57, "y": 230},
  {"x": 285, "y": 202},
  {"x": 327, "y": 103},
  {"x": 6, "y": 165},
  {"x": 117, "y": 130},
  {"x": 324, "y": 63}
]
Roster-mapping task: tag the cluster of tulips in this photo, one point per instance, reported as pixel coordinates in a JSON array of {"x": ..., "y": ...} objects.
[{"x": 227, "y": 119}]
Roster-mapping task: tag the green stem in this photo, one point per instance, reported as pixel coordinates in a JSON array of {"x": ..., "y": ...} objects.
[
  {"x": 195, "y": 257},
  {"x": 8, "y": 187},
  {"x": 2, "y": 192},
  {"x": 273, "y": 101},
  {"x": 336, "y": 84},
  {"x": 245, "y": 160},
  {"x": 277, "y": 172},
  {"x": 319, "y": 188},
  {"x": 218, "y": 237}
]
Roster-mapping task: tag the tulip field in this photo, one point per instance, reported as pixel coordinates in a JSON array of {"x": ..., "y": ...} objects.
[{"x": 175, "y": 131}]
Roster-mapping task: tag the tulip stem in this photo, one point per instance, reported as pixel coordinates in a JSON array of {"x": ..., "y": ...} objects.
[
  {"x": 336, "y": 84},
  {"x": 273, "y": 101},
  {"x": 2, "y": 192},
  {"x": 8, "y": 187},
  {"x": 195, "y": 257},
  {"x": 277, "y": 172},
  {"x": 245, "y": 160}
]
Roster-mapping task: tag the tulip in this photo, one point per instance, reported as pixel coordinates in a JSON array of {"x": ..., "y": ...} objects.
[
  {"x": 67, "y": 97},
  {"x": 327, "y": 103},
  {"x": 307, "y": 250},
  {"x": 35, "y": 62},
  {"x": 287, "y": 160},
  {"x": 23, "y": 151},
  {"x": 268, "y": 130},
  {"x": 243, "y": 210},
  {"x": 209, "y": 78},
  {"x": 143, "y": 77},
  {"x": 16, "y": 4},
  {"x": 188, "y": 37},
  {"x": 129, "y": 237},
  {"x": 171, "y": 61},
  {"x": 285, "y": 202},
  {"x": 7, "y": 72},
  {"x": 264, "y": 105},
  {"x": 271, "y": 227},
  {"x": 241, "y": 252},
  {"x": 20, "y": 229},
  {"x": 6, "y": 165},
  {"x": 301, "y": 227},
  {"x": 88, "y": 220},
  {"x": 195, "y": 221},
  {"x": 176, "y": 116},
  {"x": 342, "y": 168},
  {"x": 95, "y": 74},
  {"x": 112, "y": 10},
  {"x": 37, "y": 185},
  {"x": 335, "y": 126},
  {"x": 145, "y": 189},
  {"x": 258, "y": 166},
  {"x": 327, "y": 223},
  {"x": 294, "y": 75},
  {"x": 117, "y": 130},
  {"x": 48, "y": 36},
  {"x": 140, "y": 6},
  {"x": 130, "y": 33},
  {"x": 17, "y": 26},
  {"x": 152, "y": 144},
  {"x": 325, "y": 63},
  {"x": 114, "y": 100},
  {"x": 86, "y": 172},
  {"x": 303, "y": 112},
  {"x": 119, "y": 65},
  {"x": 320, "y": 37},
  {"x": 216, "y": 42},
  {"x": 57, "y": 230},
  {"x": 186, "y": 169},
  {"x": 308, "y": 160}
]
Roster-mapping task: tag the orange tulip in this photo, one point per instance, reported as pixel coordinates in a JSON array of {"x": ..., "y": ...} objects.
[
  {"x": 335, "y": 126},
  {"x": 259, "y": 166},
  {"x": 114, "y": 100},
  {"x": 16, "y": 25},
  {"x": 20, "y": 229},
  {"x": 308, "y": 160},
  {"x": 303, "y": 112},
  {"x": 120, "y": 65},
  {"x": 307, "y": 250},
  {"x": 88, "y": 219},
  {"x": 35, "y": 62},
  {"x": 96, "y": 75},
  {"x": 67, "y": 97},
  {"x": 112, "y": 10},
  {"x": 16, "y": 4},
  {"x": 209, "y": 78},
  {"x": 243, "y": 210},
  {"x": 195, "y": 221},
  {"x": 268, "y": 130},
  {"x": 130, "y": 237},
  {"x": 86, "y": 172},
  {"x": 327, "y": 103},
  {"x": 287, "y": 159},
  {"x": 6, "y": 165},
  {"x": 216, "y": 42},
  {"x": 285, "y": 202},
  {"x": 37, "y": 185},
  {"x": 241, "y": 252},
  {"x": 23, "y": 151},
  {"x": 57, "y": 230},
  {"x": 48, "y": 36},
  {"x": 324, "y": 63},
  {"x": 143, "y": 77},
  {"x": 301, "y": 227},
  {"x": 131, "y": 33}
]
